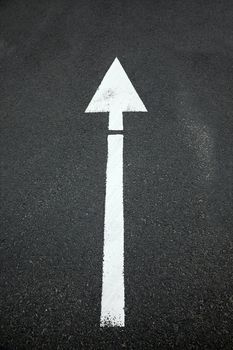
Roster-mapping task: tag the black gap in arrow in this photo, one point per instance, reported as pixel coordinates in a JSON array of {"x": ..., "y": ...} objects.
[{"x": 115, "y": 132}]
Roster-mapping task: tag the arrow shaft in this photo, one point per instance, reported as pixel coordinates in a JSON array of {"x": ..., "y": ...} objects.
[
  {"x": 115, "y": 119},
  {"x": 113, "y": 298}
]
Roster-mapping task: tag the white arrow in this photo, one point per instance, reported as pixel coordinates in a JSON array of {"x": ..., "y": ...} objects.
[{"x": 115, "y": 95}]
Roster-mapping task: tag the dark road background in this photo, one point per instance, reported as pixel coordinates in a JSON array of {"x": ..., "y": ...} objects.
[{"x": 178, "y": 173}]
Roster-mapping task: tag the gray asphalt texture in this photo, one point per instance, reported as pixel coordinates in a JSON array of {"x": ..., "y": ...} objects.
[{"x": 178, "y": 173}]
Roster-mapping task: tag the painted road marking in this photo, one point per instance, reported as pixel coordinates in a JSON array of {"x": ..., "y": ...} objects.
[
  {"x": 112, "y": 307},
  {"x": 115, "y": 95}
]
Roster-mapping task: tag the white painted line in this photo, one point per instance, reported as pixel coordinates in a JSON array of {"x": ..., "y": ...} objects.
[
  {"x": 115, "y": 119},
  {"x": 113, "y": 299},
  {"x": 115, "y": 95}
]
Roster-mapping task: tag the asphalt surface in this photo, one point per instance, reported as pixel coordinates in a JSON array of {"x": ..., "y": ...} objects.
[{"x": 178, "y": 173}]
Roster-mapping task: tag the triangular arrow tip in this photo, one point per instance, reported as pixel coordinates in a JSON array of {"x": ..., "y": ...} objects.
[{"x": 116, "y": 92}]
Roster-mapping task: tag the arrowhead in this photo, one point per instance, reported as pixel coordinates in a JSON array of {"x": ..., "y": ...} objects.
[{"x": 116, "y": 92}]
